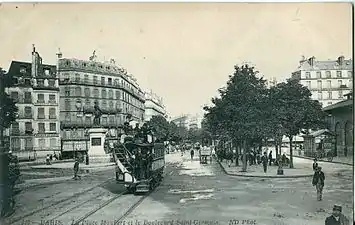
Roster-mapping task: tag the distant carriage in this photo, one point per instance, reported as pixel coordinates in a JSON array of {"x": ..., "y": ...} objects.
[
  {"x": 205, "y": 153},
  {"x": 139, "y": 165}
]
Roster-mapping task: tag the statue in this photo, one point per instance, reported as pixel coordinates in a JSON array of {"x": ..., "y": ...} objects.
[
  {"x": 93, "y": 57},
  {"x": 97, "y": 114}
]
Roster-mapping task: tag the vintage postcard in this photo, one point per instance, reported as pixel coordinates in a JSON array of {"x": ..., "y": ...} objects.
[{"x": 176, "y": 113}]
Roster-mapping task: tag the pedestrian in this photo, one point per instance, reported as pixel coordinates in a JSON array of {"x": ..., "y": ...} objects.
[
  {"x": 315, "y": 164},
  {"x": 264, "y": 161},
  {"x": 318, "y": 181},
  {"x": 283, "y": 159},
  {"x": 270, "y": 158},
  {"x": 76, "y": 169},
  {"x": 192, "y": 154},
  {"x": 337, "y": 218}
]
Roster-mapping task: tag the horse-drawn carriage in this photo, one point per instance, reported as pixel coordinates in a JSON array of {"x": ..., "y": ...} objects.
[{"x": 205, "y": 153}]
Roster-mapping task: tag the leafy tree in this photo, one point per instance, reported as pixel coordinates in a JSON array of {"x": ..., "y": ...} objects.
[
  {"x": 240, "y": 108},
  {"x": 160, "y": 127},
  {"x": 10, "y": 109},
  {"x": 297, "y": 110}
]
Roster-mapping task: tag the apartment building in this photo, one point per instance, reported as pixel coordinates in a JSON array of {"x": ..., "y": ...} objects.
[
  {"x": 153, "y": 106},
  {"x": 84, "y": 82},
  {"x": 36, "y": 93},
  {"x": 327, "y": 80}
]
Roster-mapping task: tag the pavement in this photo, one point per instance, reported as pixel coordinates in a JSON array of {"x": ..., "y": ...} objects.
[
  {"x": 57, "y": 172},
  {"x": 66, "y": 165},
  {"x": 339, "y": 160},
  {"x": 204, "y": 193},
  {"x": 197, "y": 194},
  {"x": 301, "y": 169}
]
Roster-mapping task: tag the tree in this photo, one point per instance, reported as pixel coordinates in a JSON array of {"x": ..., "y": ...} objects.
[
  {"x": 7, "y": 104},
  {"x": 238, "y": 113},
  {"x": 160, "y": 127},
  {"x": 8, "y": 109},
  {"x": 297, "y": 111}
]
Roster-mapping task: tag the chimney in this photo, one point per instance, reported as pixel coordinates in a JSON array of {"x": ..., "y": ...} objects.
[
  {"x": 36, "y": 61},
  {"x": 59, "y": 54},
  {"x": 311, "y": 60},
  {"x": 341, "y": 60}
]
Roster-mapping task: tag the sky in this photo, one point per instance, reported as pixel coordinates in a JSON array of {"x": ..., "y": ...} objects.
[{"x": 184, "y": 52}]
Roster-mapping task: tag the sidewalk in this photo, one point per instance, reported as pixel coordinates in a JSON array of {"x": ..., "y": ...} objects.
[
  {"x": 301, "y": 170},
  {"x": 42, "y": 161},
  {"x": 70, "y": 165},
  {"x": 339, "y": 160}
]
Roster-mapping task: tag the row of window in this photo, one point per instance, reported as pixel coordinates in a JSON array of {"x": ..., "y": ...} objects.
[
  {"x": 105, "y": 93},
  {"x": 52, "y": 113},
  {"x": 29, "y": 128},
  {"x": 28, "y": 97},
  {"x": 329, "y": 84},
  {"x": 45, "y": 71},
  {"x": 329, "y": 95},
  {"x": 40, "y": 82},
  {"x": 102, "y": 81},
  {"x": 327, "y": 74},
  {"x": 28, "y": 143}
]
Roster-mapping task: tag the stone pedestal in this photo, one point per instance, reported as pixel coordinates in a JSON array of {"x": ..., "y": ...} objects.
[{"x": 96, "y": 146}]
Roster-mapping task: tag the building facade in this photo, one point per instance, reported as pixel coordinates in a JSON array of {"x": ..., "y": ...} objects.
[
  {"x": 153, "y": 106},
  {"x": 328, "y": 80},
  {"x": 181, "y": 121},
  {"x": 341, "y": 123},
  {"x": 36, "y": 93},
  {"x": 195, "y": 122},
  {"x": 84, "y": 83}
]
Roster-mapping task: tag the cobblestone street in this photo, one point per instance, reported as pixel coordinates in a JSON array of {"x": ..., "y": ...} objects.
[{"x": 193, "y": 191}]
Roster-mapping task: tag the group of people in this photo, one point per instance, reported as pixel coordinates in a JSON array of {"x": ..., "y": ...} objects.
[
  {"x": 141, "y": 161},
  {"x": 51, "y": 157},
  {"x": 337, "y": 218}
]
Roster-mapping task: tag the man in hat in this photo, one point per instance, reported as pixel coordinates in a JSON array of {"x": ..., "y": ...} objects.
[
  {"x": 315, "y": 164},
  {"x": 264, "y": 160},
  {"x": 76, "y": 169},
  {"x": 318, "y": 181},
  {"x": 337, "y": 218}
]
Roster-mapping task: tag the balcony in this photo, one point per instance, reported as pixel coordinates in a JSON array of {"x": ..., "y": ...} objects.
[
  {"x": 15, "y": 132},
  {"x": 90, "y": 110},
  {"x": 87, "y": 124},
  {"x": 25, "y": 116},
  {"x": 96, "y": 83},
  {"x": 43, "y": 87},
  {"x": 21, "y": 100}
]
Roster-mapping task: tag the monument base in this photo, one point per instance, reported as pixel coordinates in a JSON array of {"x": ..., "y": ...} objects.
[{"x": 96, "y": 148}]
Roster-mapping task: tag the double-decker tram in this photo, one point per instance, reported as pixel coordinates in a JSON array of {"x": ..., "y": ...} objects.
[{"x": 140, "y": 161}]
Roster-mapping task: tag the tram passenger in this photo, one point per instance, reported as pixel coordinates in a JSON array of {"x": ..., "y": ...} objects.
[{"x": 144, "y": 164}]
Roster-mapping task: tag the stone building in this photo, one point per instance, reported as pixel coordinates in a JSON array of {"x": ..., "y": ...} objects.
[
  {"x": 36, "y": 93},
  {"x": 84, "y": 82},
  {"x": 340, "y": 122},
  {"x": 327, "y": 80},
  {"x": 153, "y": 106}
]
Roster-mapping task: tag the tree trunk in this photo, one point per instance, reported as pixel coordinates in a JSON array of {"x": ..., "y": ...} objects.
[
  {"x": 276, "y": 148},
  {"x": 236, "y": 154},
  {"x": 291, "y": 153},
  {"x": 244, "y": 156}
]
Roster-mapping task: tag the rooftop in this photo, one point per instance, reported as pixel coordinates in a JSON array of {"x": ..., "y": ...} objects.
[
  {"x": 338, "y": 64},
  {"x": 342, "y": 104}
]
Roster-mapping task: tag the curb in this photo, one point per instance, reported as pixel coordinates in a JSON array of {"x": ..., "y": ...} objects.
[
  {"x": 320, "y": 160},
  {"x": 24, "y": 186},
  {"x": 24, "y": 164},
  {"x": 256, "y": 176}
]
